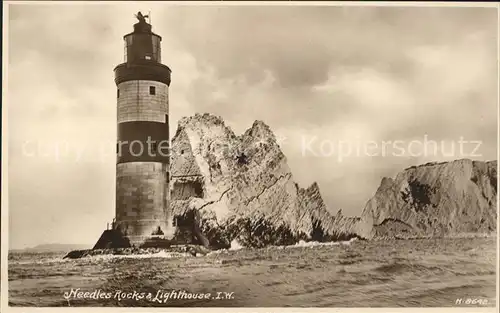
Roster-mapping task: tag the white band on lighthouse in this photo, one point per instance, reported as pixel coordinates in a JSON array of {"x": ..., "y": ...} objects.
[{"x": 142, "y": 100}]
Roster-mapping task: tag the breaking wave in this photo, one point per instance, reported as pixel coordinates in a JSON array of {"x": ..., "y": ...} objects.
[{"x": 311, "y": 244}]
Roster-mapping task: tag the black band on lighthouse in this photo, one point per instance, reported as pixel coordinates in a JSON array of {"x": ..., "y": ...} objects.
[
  {"x": 145, "y": 70},
  {"x": 143, "y": 141}
]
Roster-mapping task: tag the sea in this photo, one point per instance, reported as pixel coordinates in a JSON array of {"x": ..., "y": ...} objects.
[{"x": 356, "y": 273}]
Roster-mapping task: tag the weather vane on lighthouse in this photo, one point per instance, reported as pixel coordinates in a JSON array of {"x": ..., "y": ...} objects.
[{"x": 142, "y": 18}]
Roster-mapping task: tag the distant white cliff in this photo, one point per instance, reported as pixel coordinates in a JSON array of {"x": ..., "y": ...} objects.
[{"x": 435, "y": 199}]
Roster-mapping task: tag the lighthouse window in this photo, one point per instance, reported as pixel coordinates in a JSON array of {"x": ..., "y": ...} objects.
[
  {"x": 152, "y": 90},
  {"x": 118, "y": 93}
]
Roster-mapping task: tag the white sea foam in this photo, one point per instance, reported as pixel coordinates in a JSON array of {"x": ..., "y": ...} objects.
[
  {"x": 235, "y": 245},
  {"x": 311, "y": 244},
  {"x": 109, "y": 257},
  {"x": 160, "y": 254}
]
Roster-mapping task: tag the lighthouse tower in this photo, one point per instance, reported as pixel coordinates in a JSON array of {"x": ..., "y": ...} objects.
[{"x": 142, "y": 166}]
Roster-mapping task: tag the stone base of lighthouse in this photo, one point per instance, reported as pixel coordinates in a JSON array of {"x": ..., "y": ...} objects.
[
  {"x": 143, "y": 218},
  {"x": 142, "y": 196}
]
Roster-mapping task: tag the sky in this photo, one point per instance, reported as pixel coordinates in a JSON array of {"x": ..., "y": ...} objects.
[{"x": 339, "y": 86}]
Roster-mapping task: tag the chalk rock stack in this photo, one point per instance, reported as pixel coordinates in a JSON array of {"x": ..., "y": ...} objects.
[{"x": 241, "y": 188}]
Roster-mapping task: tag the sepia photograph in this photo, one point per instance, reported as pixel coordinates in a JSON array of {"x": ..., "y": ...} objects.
[{"x": 250, "y": 155}]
